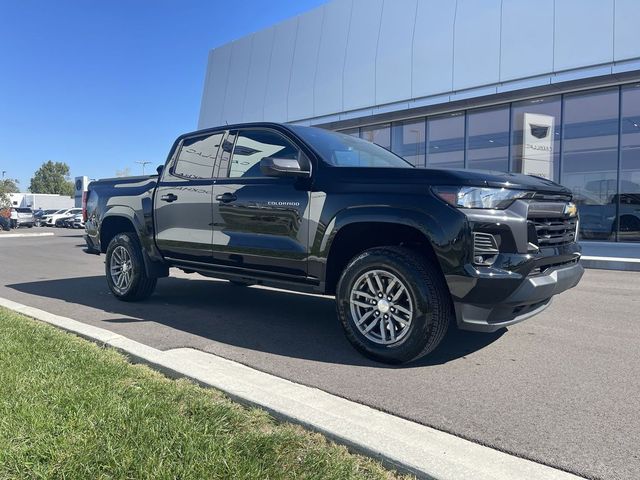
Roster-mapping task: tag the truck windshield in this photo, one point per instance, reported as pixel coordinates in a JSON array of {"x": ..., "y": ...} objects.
[{"x": 342, "y": 150}]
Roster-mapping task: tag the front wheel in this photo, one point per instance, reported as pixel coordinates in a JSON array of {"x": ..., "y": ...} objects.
[
  {"x": 393, "y": 304},
  {"x": 124, "y": 266}
]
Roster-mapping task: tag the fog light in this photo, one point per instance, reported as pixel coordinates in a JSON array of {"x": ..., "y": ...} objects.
[{"x": 485, "y": 248}]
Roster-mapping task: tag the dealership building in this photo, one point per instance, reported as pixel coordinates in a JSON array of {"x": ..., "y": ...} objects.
[{"x": 543, "y": 87}]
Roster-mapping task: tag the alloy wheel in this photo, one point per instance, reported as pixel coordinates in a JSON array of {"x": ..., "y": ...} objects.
[
  {"x": 121, "y": 268},
  {"x": 381, "y": 307}
]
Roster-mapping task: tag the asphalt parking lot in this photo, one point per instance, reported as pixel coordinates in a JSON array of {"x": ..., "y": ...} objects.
[{"x": 561, "y": 388}]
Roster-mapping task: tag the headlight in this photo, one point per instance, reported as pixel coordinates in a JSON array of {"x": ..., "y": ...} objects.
[{"x": 479, "y": 197}]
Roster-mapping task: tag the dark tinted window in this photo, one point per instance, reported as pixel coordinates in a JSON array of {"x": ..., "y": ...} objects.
[
  {"x": 23, "y": 210},
  {"x": 197, "y": 156},
  {"x": 254, "y": 145}
]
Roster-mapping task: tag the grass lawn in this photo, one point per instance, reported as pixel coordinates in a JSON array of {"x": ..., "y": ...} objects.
[{"x": 71, "y": 409}]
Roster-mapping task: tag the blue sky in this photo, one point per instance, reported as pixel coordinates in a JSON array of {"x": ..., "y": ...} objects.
[{"x": 100, "y": 85}]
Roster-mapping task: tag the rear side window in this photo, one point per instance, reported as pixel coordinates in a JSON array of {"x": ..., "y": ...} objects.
[
  {"x": 23, "y": 210},
  {"x": 252, "y": 146},
  {"x": 197, "y": 156}
]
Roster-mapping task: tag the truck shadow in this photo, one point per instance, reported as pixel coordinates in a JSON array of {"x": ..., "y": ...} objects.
[{"x": 277, "y": 322}]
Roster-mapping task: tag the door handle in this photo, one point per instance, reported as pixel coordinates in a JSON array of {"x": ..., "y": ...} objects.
[
  {"x": 226, "y": 197},
  {"x": 169, "y": 197}
]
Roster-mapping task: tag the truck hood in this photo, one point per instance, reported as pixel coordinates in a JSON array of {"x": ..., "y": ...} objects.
[{"x": 433, "y": 176}]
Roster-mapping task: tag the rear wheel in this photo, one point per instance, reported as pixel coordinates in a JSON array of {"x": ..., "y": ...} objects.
[
  {"x": 393, "y": 304},
  {"x": 124, "y": 267}
]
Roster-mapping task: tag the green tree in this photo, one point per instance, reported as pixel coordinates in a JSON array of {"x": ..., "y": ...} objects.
[
  {"x": 7, "y": 186},
  {"x": 52, "y": 177}
]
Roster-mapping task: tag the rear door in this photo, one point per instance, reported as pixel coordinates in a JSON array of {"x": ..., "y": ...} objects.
[
  {"x": 182, "y": 201},
  {"x": 259, "y": 221}
]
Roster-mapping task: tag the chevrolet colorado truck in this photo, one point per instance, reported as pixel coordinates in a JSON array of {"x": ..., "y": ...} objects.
[{"x": 407, "y": 252}]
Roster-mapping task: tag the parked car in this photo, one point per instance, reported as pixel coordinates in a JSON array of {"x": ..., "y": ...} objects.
[
  {"x": 40, "y": 216},
  {"x": 22, "y": 217},
  {"x": 5, "y": 223},
  {"x": 51, "y": 220},
  {"x": 406, "y": 251},
  {"x": 78, "y": 221},
  {"x": 65, "y": 222},
  {"x": 73, "y": 221}
]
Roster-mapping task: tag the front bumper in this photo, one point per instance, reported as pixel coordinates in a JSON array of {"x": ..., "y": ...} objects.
[
  {"x": 521, "y": 278},
  {"x": 531, "y": 297}
]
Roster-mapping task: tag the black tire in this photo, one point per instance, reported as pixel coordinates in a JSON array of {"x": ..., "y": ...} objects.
[
  {"x": 140, "y": 286},
  {"x": 427, "y": 290}
]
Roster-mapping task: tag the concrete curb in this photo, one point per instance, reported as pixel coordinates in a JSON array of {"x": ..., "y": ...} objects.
[
  {"x": 23, "y": 235},
  {"x": 611, "y": 263},
  {"x": 407, "y": 446}
]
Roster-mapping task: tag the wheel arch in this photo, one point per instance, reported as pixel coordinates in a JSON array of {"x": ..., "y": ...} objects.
[
  {"x": 122, "y": 219},
  {"x": 354, "y": 232}
]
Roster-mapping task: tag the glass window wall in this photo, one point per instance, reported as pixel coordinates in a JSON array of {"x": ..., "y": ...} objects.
[
  {"x": 354, "y": 132},
  {"x": 488, "y": 139},
  {"x": 378, "y": 134},
  {"x": 408, "y": 141},
  {"x": 445, "y": 141},
  {"x": 590, "y": 159},
  {"x": 629, "y": 196}
]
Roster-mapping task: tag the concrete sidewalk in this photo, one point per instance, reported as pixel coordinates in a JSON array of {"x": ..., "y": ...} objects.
[{"x": 401, "y": 444}]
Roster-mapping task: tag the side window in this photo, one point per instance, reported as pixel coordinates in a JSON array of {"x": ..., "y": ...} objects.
[
  {"x": 197, "y": 156},
  {"x": 252, "y": 146}
]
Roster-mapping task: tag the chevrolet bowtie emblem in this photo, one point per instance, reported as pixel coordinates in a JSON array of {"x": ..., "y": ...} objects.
[{"x": 571, "y": 209}]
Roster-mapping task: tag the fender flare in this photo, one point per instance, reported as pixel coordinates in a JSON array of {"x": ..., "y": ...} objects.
[
  {"x": 420, "y": 221},
  {"x": 153, "y": 262}
]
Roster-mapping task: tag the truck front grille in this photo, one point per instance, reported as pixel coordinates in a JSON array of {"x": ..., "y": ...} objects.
[{"x": 555, "y": 231}]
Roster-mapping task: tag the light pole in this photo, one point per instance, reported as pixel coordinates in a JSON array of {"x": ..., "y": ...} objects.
[{"x": 143, "y": 163}]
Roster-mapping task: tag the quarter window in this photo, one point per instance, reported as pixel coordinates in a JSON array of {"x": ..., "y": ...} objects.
[
  {"x": 197, "y": 156},
  {"x": 254, "y": 145}
]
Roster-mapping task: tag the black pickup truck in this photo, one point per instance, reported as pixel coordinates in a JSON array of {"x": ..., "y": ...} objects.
[{"x": 406, "y": 251}]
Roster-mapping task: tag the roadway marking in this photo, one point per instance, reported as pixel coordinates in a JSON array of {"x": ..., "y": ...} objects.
[
  {"x": 402, "y": 444},
  {"x": 22, "y": 235}
]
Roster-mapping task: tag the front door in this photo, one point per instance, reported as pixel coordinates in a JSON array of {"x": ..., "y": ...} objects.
[
  {"x": 183, "y": 208},
  {"x": 259, "y": 222}
]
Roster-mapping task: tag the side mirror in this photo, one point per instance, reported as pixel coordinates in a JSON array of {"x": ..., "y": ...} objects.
[
  {"x": 159, "y": 169},
  {"x": 282, "y": 167}
]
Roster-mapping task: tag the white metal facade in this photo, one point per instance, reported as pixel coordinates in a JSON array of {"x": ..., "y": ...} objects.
[{"x": 355, "y": 58}]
